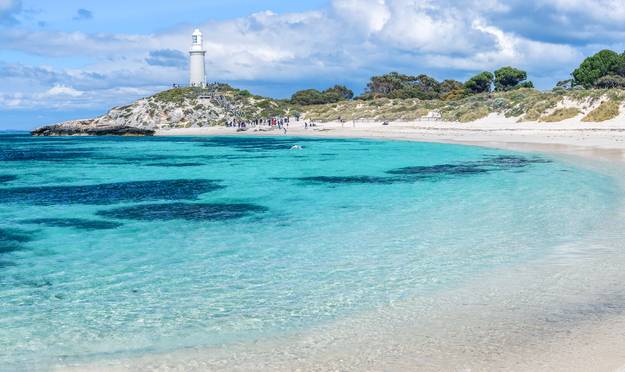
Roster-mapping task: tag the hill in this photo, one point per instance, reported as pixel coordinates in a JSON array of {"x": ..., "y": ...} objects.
[{"x": 217, "y": 104}]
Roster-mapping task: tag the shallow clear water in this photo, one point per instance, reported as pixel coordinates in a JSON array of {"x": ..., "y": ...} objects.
[{"x": 116, "y": 246}]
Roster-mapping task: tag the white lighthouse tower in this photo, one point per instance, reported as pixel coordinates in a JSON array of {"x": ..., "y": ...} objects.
[{"x": 197, "y": 74}]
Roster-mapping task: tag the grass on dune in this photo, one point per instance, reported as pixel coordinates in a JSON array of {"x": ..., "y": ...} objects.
[
  {"x": 560, "y": 115},
  {"x": 605, "y": 111}
]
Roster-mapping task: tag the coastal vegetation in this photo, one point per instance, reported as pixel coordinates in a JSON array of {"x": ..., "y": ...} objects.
[
  {"x": 594, "y": 91},
  {"x": 523, "y": 104}
]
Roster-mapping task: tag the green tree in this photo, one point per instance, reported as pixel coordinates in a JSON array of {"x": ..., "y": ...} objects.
[
  {"x": 395, "y": 85},
  {"x": 450, "y": 85},
  {"x": 341, "y": 91},
  {"x": 314, "y": 97},
  {"x": 601, "y": 64},
  {"x": 308, "y": 97},
  {"x": 526, "y": 84},
  {"x": 480, "y": 83},
  {"x": 507, "y": 78},
  {"x": 428, "y": 85},
  {"x": 451, "y": 90},
  {"x": 385, "y": 84}
]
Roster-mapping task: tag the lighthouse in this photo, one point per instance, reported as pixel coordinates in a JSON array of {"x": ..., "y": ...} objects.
[{"x": 197, "y": 74}]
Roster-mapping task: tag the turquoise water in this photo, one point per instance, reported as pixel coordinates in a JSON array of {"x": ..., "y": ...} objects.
[{"x": 122, "y": 246}]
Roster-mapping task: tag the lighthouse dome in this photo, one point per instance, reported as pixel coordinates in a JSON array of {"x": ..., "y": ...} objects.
[{"x": 196, "y": 40}]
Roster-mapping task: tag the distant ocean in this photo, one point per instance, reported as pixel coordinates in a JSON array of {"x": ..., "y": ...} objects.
[{"x": 123, "y": 246}]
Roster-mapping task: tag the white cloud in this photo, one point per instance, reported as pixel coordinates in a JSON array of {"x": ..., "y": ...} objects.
[
  {"x": 367, "y": 15},
  {"x": 510, "y": 49},
  {"x": 62, "y": 90},
  {"x": 600, "y": 10},
  {"x": 425, "y": 26},
  {"x": 69, "y": 98}
]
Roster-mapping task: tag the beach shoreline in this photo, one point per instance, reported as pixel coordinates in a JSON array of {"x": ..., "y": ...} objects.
[
  {"x": 591, "y": 140},
  {"x": 592, "y": 342}
]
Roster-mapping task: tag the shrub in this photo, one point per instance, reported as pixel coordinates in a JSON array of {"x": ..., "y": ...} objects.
[
  {"x": 610, "y": 81},
  {"x": 474, "y": 114}
]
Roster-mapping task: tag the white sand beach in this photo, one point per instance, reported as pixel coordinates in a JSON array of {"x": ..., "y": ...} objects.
[
  {"x": 595, "y": 139},
  {"x": 506, "y": 325}
]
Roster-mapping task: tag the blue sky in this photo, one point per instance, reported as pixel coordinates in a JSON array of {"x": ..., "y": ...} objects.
[{"x": 67, "y": 59}]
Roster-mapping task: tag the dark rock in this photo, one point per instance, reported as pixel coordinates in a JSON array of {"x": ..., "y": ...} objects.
[{"x": 86, "y": 130}]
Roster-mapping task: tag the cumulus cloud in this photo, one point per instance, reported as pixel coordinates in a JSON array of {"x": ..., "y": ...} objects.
[
  {"x": 367, "y": 15},
  {"x": 510, "y": 49},
  {"x": 599, "y": 10},
  {"x": 64, "y": 97},
  {"x": 427, "y": 26},
  {"x": 62, "y": 90},
  {"x": 74, "y": 44}
]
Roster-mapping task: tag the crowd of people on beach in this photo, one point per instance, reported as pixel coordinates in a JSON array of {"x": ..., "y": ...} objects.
[{"x": 272, "y": 123}]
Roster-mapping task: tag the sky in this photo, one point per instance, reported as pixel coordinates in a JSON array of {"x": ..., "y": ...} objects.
[{"x": 70, "y": 59}]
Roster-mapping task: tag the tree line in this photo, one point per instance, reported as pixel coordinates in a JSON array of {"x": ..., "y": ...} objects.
[
  {"x": 396, "y": 85},
  {"x": 605, "y": 69}
]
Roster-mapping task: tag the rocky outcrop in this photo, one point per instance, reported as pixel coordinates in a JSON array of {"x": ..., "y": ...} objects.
[
  {"x": 85, "y": 128},
  {"x": 217, "y": 104}
]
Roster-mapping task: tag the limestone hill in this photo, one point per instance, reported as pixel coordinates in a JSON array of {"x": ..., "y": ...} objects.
[{"x": 216, "y": 104}]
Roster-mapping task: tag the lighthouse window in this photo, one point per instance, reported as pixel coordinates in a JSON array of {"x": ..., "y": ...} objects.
[{"x": 194, "y": 39}]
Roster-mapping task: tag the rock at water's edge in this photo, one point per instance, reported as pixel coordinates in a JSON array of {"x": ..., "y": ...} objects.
[{"x": 81, "y": 130}]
